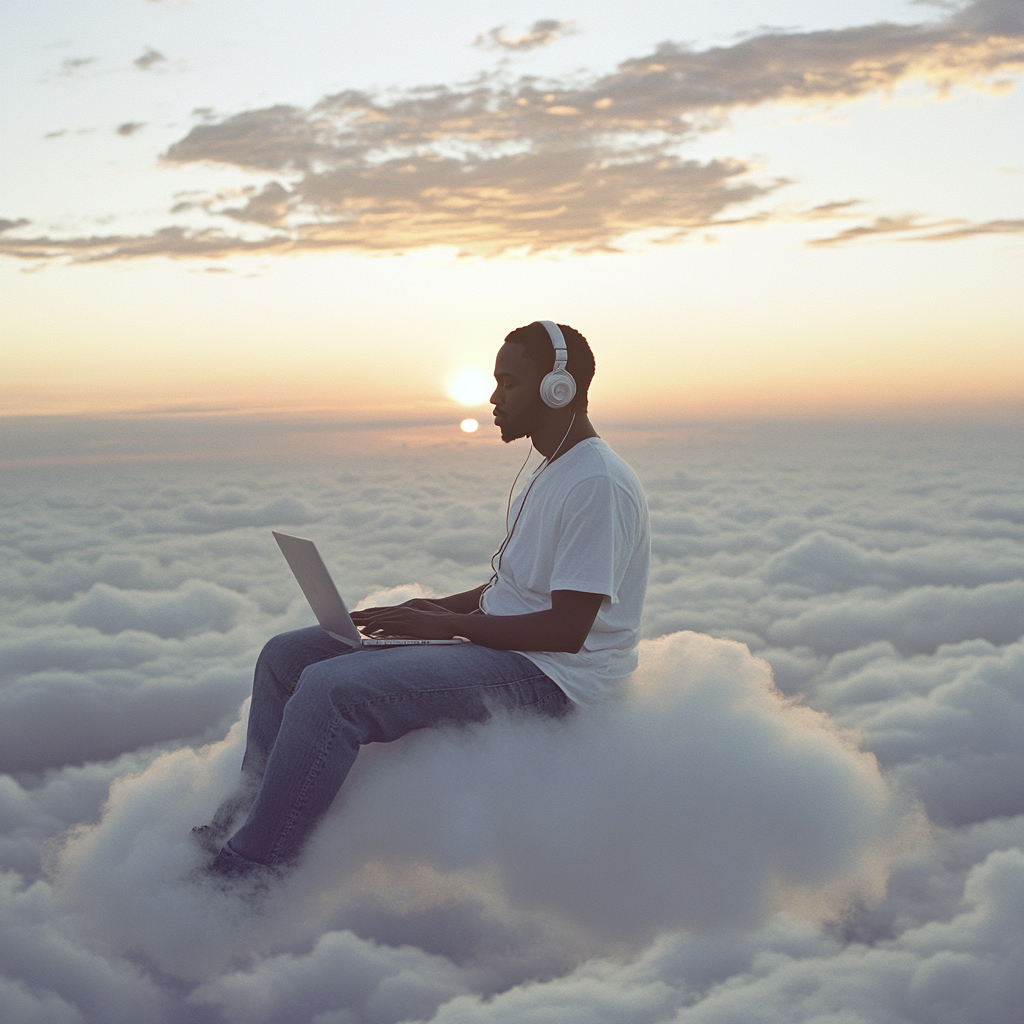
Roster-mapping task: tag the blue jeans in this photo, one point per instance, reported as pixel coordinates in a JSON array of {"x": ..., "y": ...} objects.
[{"x": 315, "y": 701}]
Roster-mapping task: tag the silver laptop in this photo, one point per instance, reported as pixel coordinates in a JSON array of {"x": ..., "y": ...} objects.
[{"x": 326, "y": 602}]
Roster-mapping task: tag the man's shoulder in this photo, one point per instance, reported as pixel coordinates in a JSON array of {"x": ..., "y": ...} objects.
[
  {"x": 602, "y": 460},
  {"x": 596, "y": 461}
]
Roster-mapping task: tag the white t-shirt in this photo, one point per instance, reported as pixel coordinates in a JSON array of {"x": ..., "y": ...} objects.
[{"x": 585, "y": 527}]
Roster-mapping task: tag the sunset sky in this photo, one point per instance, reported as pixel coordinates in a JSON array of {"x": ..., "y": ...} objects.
[
  {"x": 256, "y": 261},
  {"x": 781, "y": 207}
]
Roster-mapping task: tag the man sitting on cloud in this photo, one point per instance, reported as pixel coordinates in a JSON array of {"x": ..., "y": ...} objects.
[{"x": 557, "y": 625}]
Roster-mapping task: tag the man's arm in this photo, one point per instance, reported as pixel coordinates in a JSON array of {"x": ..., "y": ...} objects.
[
  {"x": 465, "y": 603},
  {"x": 562, "y": 627}
]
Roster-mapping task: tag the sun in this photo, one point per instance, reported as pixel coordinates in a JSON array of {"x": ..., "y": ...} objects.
[{"x": 470, "y": 386}]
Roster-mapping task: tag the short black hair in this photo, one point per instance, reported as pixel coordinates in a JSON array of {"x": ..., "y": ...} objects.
[{"x": 537, "y": 342}]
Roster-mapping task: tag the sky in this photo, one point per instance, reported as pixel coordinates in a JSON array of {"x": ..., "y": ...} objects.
[
  {"x": 252, "y": 253},
  {"x": 809, "y": 808},
  {"x": 774, "y": 208}
]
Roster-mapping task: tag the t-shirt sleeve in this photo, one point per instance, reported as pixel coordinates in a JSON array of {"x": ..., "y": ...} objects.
[{"x": 598, "y": 532}]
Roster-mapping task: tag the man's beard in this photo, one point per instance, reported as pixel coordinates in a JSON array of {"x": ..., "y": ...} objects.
[{"x": 523, "y": 425}]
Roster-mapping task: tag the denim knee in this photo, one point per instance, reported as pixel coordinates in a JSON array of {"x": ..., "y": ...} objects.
[
  {"x": 284, "y": 657},
  {"x": 314, "y": 689},
  {"x": 278, "y": 648}
]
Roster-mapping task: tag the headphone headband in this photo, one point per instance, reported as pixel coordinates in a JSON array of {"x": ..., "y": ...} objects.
[
  {"x": 558, "y": 388},
  {"x": 558, "y": 341}
]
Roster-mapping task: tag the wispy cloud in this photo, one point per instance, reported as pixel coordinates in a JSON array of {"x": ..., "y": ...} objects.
[
  {"x": 170, "y": 241},
  {"x": 989, "y": 227},
  {"x": 130, "y": 127},
  {"x": 73, "y": 64},
  {"x": 540, "y": 33},
  {"x": 149, "y": 59},
  {"x": 910, "y": 228},
  {"x": 496, "y": 164}
]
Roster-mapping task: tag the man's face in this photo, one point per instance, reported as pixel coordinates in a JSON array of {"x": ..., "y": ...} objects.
[{"x": 518, "y": 409}]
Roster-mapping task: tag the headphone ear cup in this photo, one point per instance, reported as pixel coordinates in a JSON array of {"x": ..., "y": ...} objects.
[{"x": 557, "y": 389}]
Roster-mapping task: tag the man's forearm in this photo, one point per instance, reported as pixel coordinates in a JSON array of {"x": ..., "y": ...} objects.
[
  {"x": 548, "y": 630},
  {"x": 463, "y": 604},
  {"x": 536, "y": 631}
]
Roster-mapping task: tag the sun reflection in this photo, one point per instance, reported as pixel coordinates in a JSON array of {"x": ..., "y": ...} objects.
[
  {"x": 469, "y": 426},
  {"x": 470, "y": 386}
]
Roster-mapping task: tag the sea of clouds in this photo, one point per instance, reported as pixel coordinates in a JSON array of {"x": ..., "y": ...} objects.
[{"x": 810, "y": 806}]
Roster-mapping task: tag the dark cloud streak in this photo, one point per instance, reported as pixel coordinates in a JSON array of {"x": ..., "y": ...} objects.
[
  {"x": 149, "y": 59},
  {"x": 73, "y": 64}
]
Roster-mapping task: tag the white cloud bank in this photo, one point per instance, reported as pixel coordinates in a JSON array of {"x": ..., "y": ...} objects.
[{"x": 710, "y": 850}]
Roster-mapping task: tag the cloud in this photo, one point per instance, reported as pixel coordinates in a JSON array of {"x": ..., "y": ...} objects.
[
  {"x": 714, "y": 849},
  {"x": 599, "y": 790},
  {"x": 149, "y": 59},
  {"x": 769, "y": 807},
  {"x": 917, "y": 621},
  {"x": 130, "y": 127},
  {"x": 70, "y": 698},
  {"x": 911, "y": 229},
  {"x": 990, "y": 227},
  {"x": 946, "y": 726},
  {"x": 791, "y": 973},
  {"x": 170, "y": 242},
  {"x": 197, "y": 607},
  {"x": 230, "y": 514},
  {"x": 825, "y": 563},
  {"x": 498, "y": 164},
  {"x": 995, "y": 17},
  {"x": 521, "y": 201},
  {"x": 998, "y": 508},
  {"x": 540, "y": 33},
  {"x": 73, "y": 64},
  {"x": 340, "y": 970}
]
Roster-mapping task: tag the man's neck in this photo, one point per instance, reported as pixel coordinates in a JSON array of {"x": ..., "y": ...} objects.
[{"x": 553, "y": 441}]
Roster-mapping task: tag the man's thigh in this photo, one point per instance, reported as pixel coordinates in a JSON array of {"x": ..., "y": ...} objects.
[{"x": 385, "y": 693}]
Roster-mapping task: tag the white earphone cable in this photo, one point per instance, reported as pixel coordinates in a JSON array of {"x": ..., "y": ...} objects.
[{"x": 495, "y": 570}]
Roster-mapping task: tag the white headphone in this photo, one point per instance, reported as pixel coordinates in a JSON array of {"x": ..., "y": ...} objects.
[{"x": 558, "y": 388}]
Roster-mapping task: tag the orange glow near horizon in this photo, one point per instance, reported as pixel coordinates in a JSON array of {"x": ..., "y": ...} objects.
[
  {"x": 758, "y": 327},
  {"x": 619, "y": 401},
  {"x": 723, "y": 381}
]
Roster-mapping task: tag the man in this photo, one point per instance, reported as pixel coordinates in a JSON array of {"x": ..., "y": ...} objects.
[{"x": 557, "y": 625}]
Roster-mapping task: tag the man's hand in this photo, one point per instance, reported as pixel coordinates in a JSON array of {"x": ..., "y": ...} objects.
[
  {"x": 562, "y": 627},
  {"x": 463, "y": 604},
  {"x": 420, "y": 618},
  {"x": 417, "y": 602}
]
